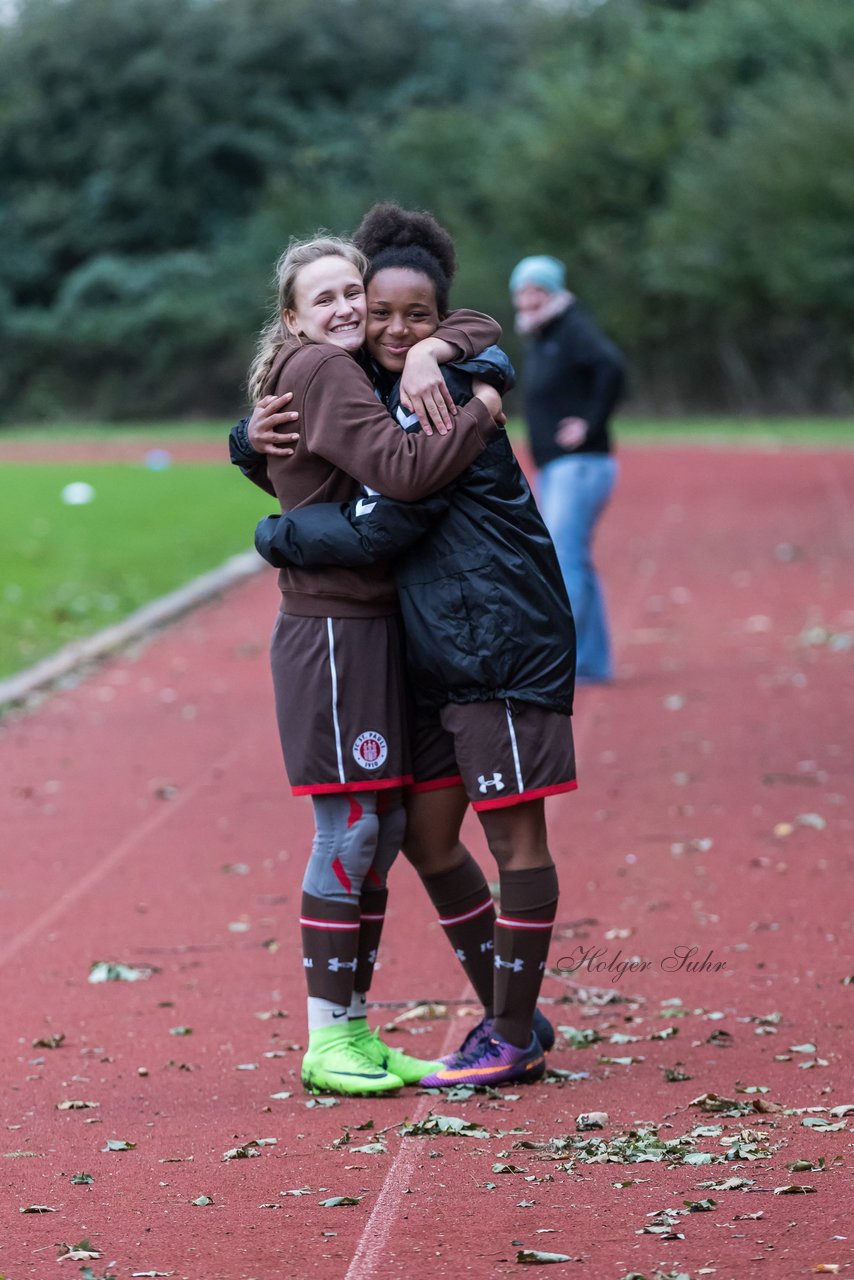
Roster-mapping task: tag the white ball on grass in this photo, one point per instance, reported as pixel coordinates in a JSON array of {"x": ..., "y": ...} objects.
[{"x": 77, "y": 494}]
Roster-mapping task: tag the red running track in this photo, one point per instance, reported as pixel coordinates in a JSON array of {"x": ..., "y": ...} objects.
[{"x": 145, "y": 820}]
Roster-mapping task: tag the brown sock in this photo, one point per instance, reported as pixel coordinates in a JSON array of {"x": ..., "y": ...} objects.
[
  {"x": 467, "y": 914},
  {"x": 523, "y": 932},
  {"x": 330, "y": 940},
  {"x": 372, "y": 903}
]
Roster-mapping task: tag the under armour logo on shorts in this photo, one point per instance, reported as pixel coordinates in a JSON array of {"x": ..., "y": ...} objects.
[{"x": 497, "y": 781}]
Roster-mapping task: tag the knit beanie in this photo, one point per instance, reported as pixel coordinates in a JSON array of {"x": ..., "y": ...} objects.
[{"x": 546, "y": 272}]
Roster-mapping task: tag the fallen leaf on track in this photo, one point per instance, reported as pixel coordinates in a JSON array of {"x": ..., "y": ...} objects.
[
  {"x": 107, "y": 971},
  {"x": 536, "y": 1257},
  {"x": 79, "y": 1252},
  {"x": 246, "y": 1152},
  {"x": 435, "y": 1124}
]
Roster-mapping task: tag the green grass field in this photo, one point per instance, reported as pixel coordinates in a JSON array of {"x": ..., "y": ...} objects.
[
  {"x": 701, "y": 431},
  {"x": 66, "y": 571}
]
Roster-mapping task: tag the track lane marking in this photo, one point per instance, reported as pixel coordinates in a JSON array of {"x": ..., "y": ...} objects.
[{"x": 116, "y": 855}]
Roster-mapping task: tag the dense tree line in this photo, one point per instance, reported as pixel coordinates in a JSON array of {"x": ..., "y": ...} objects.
[{"x": 689, "y": 160}]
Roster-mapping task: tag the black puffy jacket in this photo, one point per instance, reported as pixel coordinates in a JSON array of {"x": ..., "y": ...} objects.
[{"x": 484, "y": 606}]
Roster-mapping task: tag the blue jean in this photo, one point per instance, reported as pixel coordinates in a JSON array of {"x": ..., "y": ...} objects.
[{"x": 573, "y": 493}]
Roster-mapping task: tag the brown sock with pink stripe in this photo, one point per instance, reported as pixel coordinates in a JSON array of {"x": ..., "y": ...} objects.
[
  {"x": 523, "y": 932},
  {"x": 330, "y": 939},
  {"x": 467, "y": 914}
]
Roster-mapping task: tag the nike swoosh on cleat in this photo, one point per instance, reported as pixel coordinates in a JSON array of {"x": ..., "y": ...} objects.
[
  {"x": 361, "y": 1075},
  {"x": 481, "y": 1071}
]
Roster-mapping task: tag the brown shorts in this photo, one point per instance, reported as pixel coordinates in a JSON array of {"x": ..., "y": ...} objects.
[
  {"x": 341, "y": 703},
  {"x": 502, "y": 752}
]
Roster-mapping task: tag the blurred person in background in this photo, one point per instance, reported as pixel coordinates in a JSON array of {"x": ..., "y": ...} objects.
[{"x": 572, "y": 380}]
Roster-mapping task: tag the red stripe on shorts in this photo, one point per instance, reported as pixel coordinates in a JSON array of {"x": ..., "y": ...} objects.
[
  {"x": 329, "y": 788},
  {"x": 504, "y": 802},
  {"x": 436, "y": 784}
]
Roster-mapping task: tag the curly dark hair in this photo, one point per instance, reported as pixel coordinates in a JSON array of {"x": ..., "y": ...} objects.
[{"x": 393, "y": 237}]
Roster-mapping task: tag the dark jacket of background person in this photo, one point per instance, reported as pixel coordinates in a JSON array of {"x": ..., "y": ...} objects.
[
  {"x": 571, "y": 370},
  {"x": 484, "y": 607}
]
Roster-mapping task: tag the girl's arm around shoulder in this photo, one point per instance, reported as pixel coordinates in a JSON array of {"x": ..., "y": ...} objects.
[
  {"x": 471, "y": 331},
  {"x": 345, "y": 423}
]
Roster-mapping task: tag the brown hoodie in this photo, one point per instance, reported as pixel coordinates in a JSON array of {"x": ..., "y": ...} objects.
[{"x": 348, "y": 439}]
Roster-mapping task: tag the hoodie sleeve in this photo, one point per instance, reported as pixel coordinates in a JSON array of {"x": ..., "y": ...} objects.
[
  {"x": 471, "y": 331},
  {"x": 346, "y": 424}
]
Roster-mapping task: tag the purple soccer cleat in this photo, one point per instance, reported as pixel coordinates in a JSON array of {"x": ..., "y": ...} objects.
[
  {"x": 490, "y": 1061},
  {"x": 479, "y": 1035}
]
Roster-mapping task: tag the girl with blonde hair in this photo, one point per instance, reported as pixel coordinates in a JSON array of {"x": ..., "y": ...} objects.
[{"x": 336, "y": 650}]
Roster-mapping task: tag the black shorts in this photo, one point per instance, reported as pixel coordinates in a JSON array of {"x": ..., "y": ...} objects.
[
  {"x": 503, "y": 753},
  {"x": 341, "y": 703}
]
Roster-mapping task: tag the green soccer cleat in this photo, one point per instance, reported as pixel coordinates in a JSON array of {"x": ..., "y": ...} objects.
[
  {"x": 409, "y": 1070},
  {"x": 334, "y": 1064}
]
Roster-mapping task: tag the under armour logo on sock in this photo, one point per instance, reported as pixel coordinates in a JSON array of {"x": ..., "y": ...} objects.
[
  {"x": 372, "y": 956},
  {"x": 516, "y": 965},
  {"x": 497, "y": 781},
  {"x": 335, "y": 964},
  {"x": 460, "y": 954}
]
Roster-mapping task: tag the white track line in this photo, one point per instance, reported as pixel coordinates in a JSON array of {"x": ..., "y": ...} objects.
[
  {"x": 117, "y": 855},
  {"x": 380, "y": 1224}
]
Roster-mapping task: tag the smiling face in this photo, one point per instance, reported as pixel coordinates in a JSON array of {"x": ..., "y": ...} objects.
[
  {"x": 329, "y": 304},
  {"x": 401, "y": 311}
]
